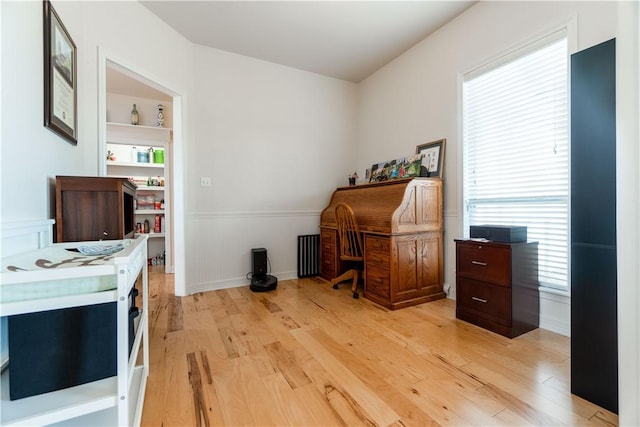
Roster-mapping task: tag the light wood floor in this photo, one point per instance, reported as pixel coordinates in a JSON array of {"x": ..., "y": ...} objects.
[{"x": 307, "y": 355}]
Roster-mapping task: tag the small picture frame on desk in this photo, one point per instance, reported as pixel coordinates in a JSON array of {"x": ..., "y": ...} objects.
[
  {"x": 433, "y": 158},
  {"x": 60, "y": 85},
  {"x": 404, "y": 167}
]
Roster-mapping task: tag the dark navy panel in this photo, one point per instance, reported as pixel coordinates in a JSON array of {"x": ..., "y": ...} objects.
[
  {"x": 594, "y": 326},
  {"x": 593, "y": 143}
]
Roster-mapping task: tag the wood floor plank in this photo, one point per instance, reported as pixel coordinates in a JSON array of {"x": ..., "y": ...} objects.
[
  {"x": 373, "y": 371},
  {"x": 286, "y": 363},
  {"x": 308, "y": 355},
  {"x": 174, "y": 313},
  {"x": 200, "y": 407},
  {"x": 348, "y": 389},
  {"x": 314, "y": 403},
  {"x": 178, "y": 398},
  {"x": 230, "y": 392}
]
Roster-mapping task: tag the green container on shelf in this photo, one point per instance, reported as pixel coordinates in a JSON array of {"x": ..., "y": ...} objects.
[{"x": 158, "y": 156}]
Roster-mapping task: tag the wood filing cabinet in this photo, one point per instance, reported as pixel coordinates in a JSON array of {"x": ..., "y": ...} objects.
[
  {"x": 497, "y": 286},
  {"x": 94, "y": 208}
]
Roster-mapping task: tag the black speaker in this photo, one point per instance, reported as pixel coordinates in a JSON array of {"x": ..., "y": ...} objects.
[{"x": 258, "y": 262}]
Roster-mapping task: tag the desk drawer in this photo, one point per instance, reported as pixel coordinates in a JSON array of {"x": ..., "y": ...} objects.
[
  {"x": 377, "y": 250},
  {"x": 484, "y": 300},
  {"x": 330, "y": 266},
  {"x": 377, "y": 281},
  {"x": 328, "y": 238},
  {"x": 330, "y": 259},
  {"x": 483, "y": 262}
]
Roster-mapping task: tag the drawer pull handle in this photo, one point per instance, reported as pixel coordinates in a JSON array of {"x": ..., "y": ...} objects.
[
  {"x": 484, "y": 301},
  {"x": 484, "y": 264}
]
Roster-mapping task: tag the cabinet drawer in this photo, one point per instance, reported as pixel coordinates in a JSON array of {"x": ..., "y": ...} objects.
[
  {"x": 328, "y": 259},
  {"x": 483, "y": 262},
  {"x": 377, "y": 243},
  {"x": 377, "y": 281},
  {"x": 329, "y": 265},
  {"x": 328, "y": 237},
  {"x": 484, "y": 300},
  {"x": 380, "y": 259},
  {"x": 376, "y": 250}
]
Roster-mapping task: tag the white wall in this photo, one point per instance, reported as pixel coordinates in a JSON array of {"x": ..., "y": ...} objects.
[
  {"x": 271, "y": 137},
  {"x": 275, "y": 141}
]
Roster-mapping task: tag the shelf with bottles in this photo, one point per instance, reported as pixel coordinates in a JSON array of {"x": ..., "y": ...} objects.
[
  {"x": 148, "y": 183},
  {"x": 135, "y": 156},
  {"x": 157, "y": 226},
  {"x": 148, "y": 202}
]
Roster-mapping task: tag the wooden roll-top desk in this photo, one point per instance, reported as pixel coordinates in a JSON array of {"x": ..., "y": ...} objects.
[{"x": 401, "y": 221}]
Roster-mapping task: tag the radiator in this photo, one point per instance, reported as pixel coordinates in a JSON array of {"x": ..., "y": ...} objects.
[{"x": 308, "y": 255}]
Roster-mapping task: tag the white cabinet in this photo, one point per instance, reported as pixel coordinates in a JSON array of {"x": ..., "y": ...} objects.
[
  {"x": 133, "y": 152},
  {"x": 111, "y": 401}
]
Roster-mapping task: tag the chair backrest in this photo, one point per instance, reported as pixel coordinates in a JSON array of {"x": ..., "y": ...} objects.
[{"x": 348, "y": 233}]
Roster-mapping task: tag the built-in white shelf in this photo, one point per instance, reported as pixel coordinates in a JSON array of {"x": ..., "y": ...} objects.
[
  {"x": 149, "y": 212},
  {"x": 120, "y": 133},
  {"x": 125, "y": 142},
  {"x": 149, "y": 188},
  {"x": 136, "y": 165}
]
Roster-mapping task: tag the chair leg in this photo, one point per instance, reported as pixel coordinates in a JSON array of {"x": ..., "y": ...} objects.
[
  {"x": 341, "y": 278},
  {"x": 354, "y": 286}
]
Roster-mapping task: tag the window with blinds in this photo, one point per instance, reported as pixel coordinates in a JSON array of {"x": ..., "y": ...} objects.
[{"x": 515, "y": 150}]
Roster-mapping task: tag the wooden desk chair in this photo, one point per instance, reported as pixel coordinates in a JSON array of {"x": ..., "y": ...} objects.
[{"x": 351, "y": 249}]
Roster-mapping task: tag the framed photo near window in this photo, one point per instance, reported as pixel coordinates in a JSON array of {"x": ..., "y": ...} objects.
[
  {"x": 433, "y": 158},
  {"x": 60, "y": 85}
]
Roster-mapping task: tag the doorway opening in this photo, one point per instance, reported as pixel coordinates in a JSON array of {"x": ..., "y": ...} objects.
[{"x": 149, "y": 152}]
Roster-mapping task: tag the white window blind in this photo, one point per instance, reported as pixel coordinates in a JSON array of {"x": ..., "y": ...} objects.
[{"x": 515, "y": 150}]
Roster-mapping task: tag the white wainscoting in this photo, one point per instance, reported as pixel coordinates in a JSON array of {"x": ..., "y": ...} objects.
[
  {"x": 555, "y": 311},
  {"x": 219, "y": 254},
  {"x": 219, "y": 245},
  {"x": 17, "y": 237},
  {"x": 449, "y": 248},
  {"x": 22, "y": 236}
]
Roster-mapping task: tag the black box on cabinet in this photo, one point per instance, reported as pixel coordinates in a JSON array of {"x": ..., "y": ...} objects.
[{"x": 499, "y": 233}]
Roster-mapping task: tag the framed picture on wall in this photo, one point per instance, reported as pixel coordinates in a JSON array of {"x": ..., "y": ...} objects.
[
  {"x": 433, "y": 158},
  {"x": 60, "y": 79}
]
